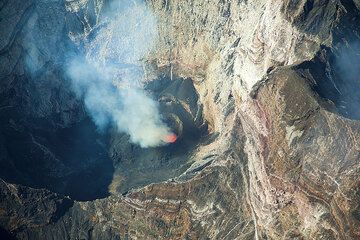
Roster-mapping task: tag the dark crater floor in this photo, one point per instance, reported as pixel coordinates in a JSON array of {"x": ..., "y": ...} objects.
[
  {"x": 71, "y": 161},
  {"x": 334, "y": 75},
  {"x": 81, "y": 162}
]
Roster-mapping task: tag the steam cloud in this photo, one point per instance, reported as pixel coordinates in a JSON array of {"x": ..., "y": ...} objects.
[
  {"x": 109, "y": 75},
  {"x": 108, "y": 72},
  {"x": 347, "y": 65}
]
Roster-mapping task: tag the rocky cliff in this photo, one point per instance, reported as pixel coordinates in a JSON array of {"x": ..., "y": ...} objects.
[{"x": 264, "y": 96}]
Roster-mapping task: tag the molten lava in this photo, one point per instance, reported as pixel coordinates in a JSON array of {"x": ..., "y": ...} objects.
[{"x": 171, "y": 138}]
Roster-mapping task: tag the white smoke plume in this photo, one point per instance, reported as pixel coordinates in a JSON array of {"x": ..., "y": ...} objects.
[
  {"x": 347, "y": 66},
  {"x": 109, "y": 75}
]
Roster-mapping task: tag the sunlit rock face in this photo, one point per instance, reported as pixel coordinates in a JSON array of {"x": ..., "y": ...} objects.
[{"x": 262, "y": 95}]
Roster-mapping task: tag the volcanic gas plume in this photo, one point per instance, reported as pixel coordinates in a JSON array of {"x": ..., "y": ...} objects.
[{"x": 109, "y": 76}]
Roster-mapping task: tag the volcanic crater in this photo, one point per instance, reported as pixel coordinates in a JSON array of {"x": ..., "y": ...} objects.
[{"x": 180, "y": 109}]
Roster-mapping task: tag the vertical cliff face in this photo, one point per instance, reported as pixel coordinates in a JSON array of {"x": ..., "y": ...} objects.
[
  {"x": 264, "y": 96},
  {"x": 276, "y": 70}
]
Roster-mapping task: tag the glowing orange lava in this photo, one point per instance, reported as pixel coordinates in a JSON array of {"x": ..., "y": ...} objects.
[{"x": 171, "y": 138}]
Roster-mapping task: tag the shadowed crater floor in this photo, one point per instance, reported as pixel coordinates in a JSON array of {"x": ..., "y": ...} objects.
[{"x": 71, "y": 161}]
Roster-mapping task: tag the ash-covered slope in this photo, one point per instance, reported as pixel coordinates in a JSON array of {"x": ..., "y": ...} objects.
[{"x": 263, "y": 94}]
